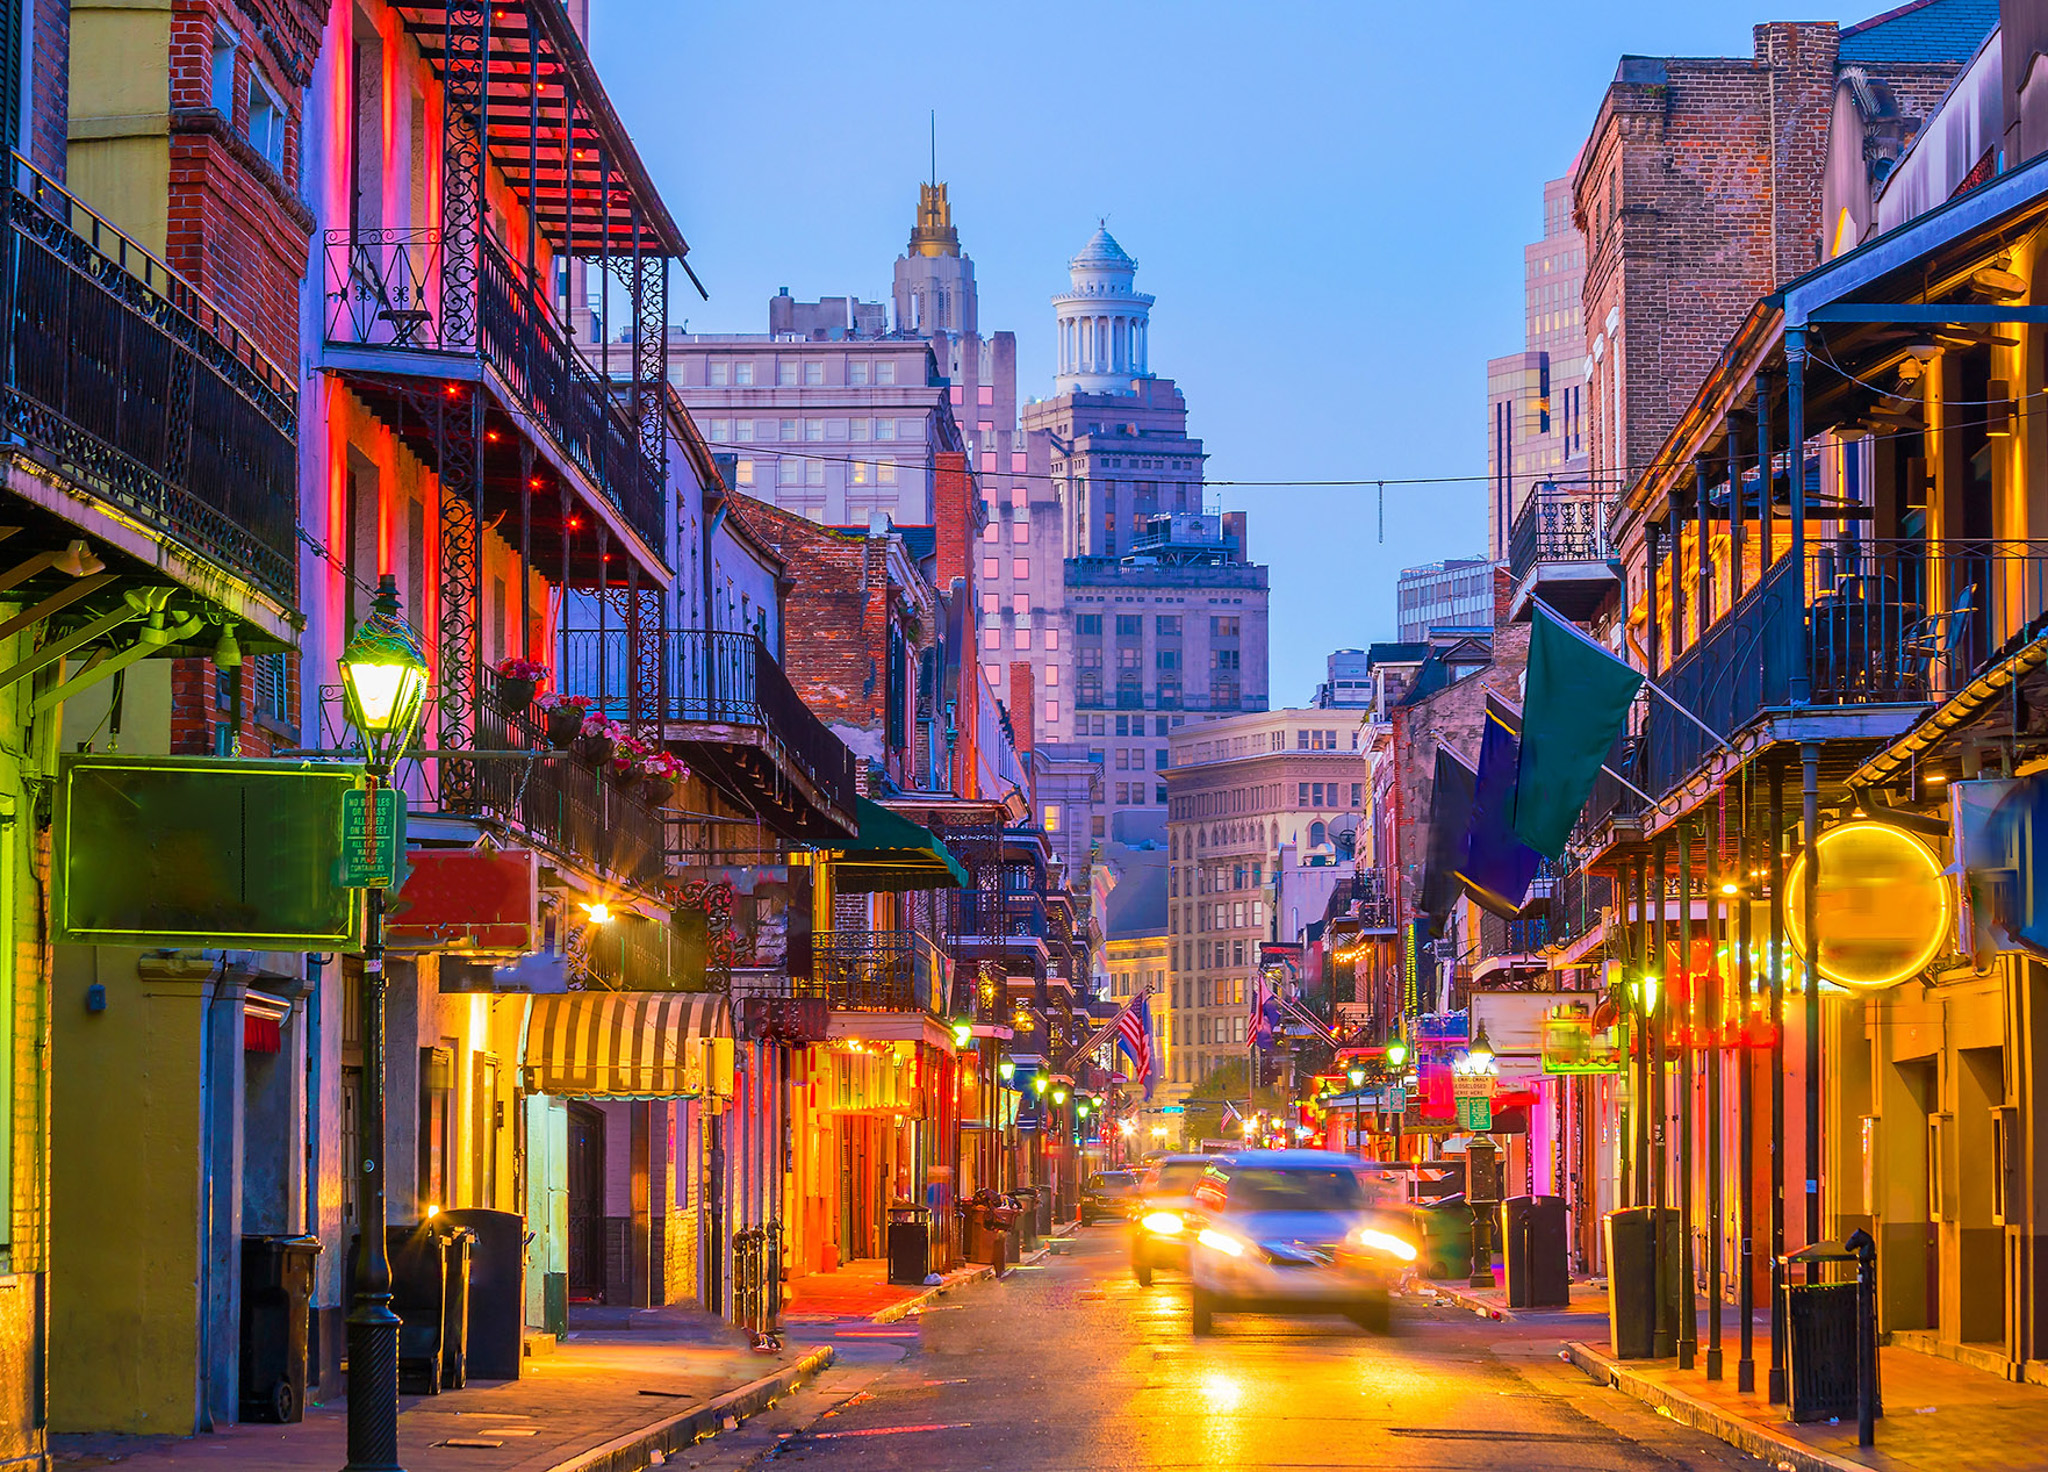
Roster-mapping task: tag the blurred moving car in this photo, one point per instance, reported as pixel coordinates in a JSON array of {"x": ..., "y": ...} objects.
[
  {"x": 1107, "y": 1193},
  {"x": 1165, "y": 1214},
  {"x": 1294, "y": 1232}
]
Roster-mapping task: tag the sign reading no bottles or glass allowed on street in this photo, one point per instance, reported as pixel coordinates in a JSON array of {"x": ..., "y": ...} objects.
[
  {"x": 369, "y": 851},
  {"x": 1475, "y": 1113}
]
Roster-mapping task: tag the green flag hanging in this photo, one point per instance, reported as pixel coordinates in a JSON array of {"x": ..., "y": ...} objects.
[{"x": 1577, "y": 699}]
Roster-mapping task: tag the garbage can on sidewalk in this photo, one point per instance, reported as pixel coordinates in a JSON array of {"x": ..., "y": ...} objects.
[
  {"x": 910, "y": 1244},
  {"x": 1820, "y": 1340},
  {"x": 457, "y": 1253},
  {"x": 497, "y": 1291},
  {"x": 1637, "y": 1236},
  {"x": 1536, "y": 1250},
  {"x": 1027, "y": 1216},
  {"x": 419, "y": 1296},
  {"x": 277, "y": 1286}
]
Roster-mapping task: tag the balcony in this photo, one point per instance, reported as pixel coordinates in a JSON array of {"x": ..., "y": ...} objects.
[
  {"x": 566, "y": 807},
  {"x": 876, "y": 971},
  {"x": 725, "y": 705},
  {"x": 121, "y": 379},
  {"x": 1559, "y": 552},
  {"x": 394, "y": 306},
  {"x": 1880, "y": 627}
]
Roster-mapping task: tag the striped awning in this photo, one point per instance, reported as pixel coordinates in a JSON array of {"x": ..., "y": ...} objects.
[{"x": 622, "y": 1045}]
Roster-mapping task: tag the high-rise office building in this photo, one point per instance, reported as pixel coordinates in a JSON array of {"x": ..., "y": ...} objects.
[{"x": 1454, "y": 594}]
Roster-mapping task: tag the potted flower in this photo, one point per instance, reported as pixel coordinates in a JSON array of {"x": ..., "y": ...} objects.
[
  {"x": 659, "y": 774},
  {"x": 599, "y": 739},
  {"x": 519, "y": 680},
  {"x": 565, "y": 716},
  {"x": 629, "y": 757}
]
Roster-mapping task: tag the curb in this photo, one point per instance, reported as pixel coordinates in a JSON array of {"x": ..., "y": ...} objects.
[
  {"x": 1740, "y": 1432},
  {"x": 980, "y": 1273},
  {"x": 630, "y": 1452},
  {"x": 1465, "y": 1299}
]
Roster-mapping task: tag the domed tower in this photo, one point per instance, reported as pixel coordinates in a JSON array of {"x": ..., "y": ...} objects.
[{"x": 1105, "y": 326}]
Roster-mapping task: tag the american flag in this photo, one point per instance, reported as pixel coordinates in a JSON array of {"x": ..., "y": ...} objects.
[{"x": 1134, "y": 1040}]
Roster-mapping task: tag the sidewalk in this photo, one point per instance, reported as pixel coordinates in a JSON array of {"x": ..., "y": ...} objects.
[
  {"x": 861, "y": 1290},
  {"x": 1940, "y": 1415},
  {"x": 601, "y": 1402}
]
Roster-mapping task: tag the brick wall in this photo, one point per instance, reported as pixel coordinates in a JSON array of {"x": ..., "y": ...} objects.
[
  {"x": 834, "y": 643},
  {"x": 1020, "y": 706},
  {"x": 49, "y": 120}
]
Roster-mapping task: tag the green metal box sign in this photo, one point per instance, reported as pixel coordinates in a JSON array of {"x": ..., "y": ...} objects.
[{"x": 197, "y": 852}]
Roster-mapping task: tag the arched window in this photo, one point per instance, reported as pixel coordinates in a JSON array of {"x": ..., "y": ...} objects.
[{"x": 1318, "y": 834}]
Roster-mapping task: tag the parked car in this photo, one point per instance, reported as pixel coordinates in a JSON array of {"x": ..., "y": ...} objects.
[
  {"x": 1294, "y": 1232},
  {"x": 1107, "y": 1194},
  {"x": 1165, "y": 1214}
]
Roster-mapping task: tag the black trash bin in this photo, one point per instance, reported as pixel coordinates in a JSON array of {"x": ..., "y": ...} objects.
[
  {"x": 1634, "y": 1245},
  {"x": 457, "y": 1253},
  {"x": 277, "y": 1286},
  {"x": 1536, "y": 1251},
  {"x": 497, "y": 1290},
  {"x": 1820, "y": 1339},
  {"x": 419, "y": 1296},
  {"x": 910, "y": 1244},
  {"x": 1027, "y": 1216}
]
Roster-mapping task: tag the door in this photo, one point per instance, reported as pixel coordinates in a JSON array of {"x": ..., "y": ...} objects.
[
  {"x": 487, "y": 1120},
  {"x": 586, "y": 1204},
  {"x": 713, "y": 1197}
]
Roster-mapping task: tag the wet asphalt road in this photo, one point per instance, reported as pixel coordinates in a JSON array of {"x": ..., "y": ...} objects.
[{"x": 1069, "y": 1366}]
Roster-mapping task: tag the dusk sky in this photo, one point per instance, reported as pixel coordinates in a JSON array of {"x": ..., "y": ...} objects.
[{"x": 1328, "y": 200}]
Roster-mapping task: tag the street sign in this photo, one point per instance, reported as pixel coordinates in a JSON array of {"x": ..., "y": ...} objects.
[
  {"x": 369, "y": 851},
  {"x": 1395, "y": 1097},
  {"x": 1475, "y": 1113}
]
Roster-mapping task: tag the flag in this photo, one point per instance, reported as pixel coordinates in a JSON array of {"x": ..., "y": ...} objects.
[
  {"x": 1134, "y": 1039},
  {"x": 1576, "y": 702},
  {"x": 1450, "y": 815},
  {"x": 1496, "y": 866},
  {"x": 1261, "y": 1030}
]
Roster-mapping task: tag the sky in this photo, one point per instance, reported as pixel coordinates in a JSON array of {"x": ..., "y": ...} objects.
[{"x": 1329, "y": 201}]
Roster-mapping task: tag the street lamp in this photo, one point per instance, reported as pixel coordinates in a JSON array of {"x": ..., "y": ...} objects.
[
  {"x": 1397, "y": 1067},
  {"x": 1006, "y": 1069},
  {"x": 384, "y": 682}
]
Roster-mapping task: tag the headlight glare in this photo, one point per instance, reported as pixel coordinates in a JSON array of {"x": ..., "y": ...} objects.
[
  {"x": 1223, "y": 1242},
  {"x": 1385, "y": 1242},
  {"x": 1165, "y": 1223}
]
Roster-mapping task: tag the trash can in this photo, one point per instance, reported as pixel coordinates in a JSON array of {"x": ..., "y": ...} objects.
[
  {"x": 1444, "y": 1232},
  {"x": 497, "y": 1291},
  {"x": 910, "y": 1244},
  {"x": 419, "y": 1296},
  {"x": 457, "y": 1253},
  {"x": 1820, "y": 1339},
  {"x": 1027, "y": 1216},
  {"x": 277, "y": 1286},
  {"x": 1637, "y": 1237},
  {"x": 1536, "y": 1250}
]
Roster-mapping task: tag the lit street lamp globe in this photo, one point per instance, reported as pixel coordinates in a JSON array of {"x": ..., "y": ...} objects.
[{"x": 384, "y": 678}]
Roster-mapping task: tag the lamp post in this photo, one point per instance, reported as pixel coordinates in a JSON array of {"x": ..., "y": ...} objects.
[
  {"x": 384, "y": 681},
  {"x": 1480, "y": 1189},
  {"x": 1356, "y": 1073},
  {"x": 1397, "y": 1066}
]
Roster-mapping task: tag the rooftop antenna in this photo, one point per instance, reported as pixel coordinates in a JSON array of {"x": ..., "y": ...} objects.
[{"x": 935, "y": 145}]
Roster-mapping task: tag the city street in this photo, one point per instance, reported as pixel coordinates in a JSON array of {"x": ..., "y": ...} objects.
[{"x": 1070, "y": 1365}]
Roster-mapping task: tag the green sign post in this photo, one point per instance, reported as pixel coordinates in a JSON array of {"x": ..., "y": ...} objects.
[
  {"x": 1475, "y": 1114},
  {"x": 369, "y": 849}
]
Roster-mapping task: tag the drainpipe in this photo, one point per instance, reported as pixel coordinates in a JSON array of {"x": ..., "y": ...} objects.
[
  {"x": 1795, "y": 438},
  {"x": 1809, "y": 796}
]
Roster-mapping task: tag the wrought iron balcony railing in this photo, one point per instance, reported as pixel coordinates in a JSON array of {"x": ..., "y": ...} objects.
[
  {"x": 393, "y": 289},
  {"x": 1860, "y": 622},
  {"x": 1560, "y": 526},
  {"x": 711, "y": 678},
  {"x": 125, "y": 381},
  {"x": 876, "y": 971},
  {"x": 566, "y": 805}
]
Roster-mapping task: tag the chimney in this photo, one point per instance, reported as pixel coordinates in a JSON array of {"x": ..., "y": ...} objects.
[
  {"x": 955, "y": 509},
  {"x": 1021, "y": 703}
]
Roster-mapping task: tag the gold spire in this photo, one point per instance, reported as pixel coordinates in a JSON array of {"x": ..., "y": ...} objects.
[{"x": 934, "y": 234}]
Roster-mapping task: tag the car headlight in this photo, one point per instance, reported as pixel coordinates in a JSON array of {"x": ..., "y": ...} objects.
[
  {"x": 1165, "y": 1223},
  {"x": 1223, "y": 1242},
  {"x": 1385, "y": 1242}
]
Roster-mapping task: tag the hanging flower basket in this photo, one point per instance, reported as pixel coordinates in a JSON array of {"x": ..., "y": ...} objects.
[
  {"x": 519, "y": 680},
  {"x": 599, "y": 740},
  {"x": 657, "y": 790},
  {"x": 565, "y": 717},
  {"x": 660, "y": 773}
]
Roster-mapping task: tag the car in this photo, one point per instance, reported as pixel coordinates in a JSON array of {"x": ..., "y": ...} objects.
[
  {"x": 1294, "y": 1232},
  {"x": 1107, "y": 1194},
  {"x": 1165, "y": 1214}
]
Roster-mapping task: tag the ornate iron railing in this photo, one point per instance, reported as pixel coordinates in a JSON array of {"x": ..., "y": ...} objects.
[
  {"x": 385, "y": 290},
  {"x": 713, "y": 678},
  {"x": 566, "y": 804},
  {"x": 1560, "y": 526},
  {"x": 876, "y": 971},
  {"x": 123, "y": 379}
]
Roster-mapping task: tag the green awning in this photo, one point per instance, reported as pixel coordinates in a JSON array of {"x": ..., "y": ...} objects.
[{"x": 891, "y": 854}]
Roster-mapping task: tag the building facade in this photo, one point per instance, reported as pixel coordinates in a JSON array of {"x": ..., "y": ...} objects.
[{"x": 1453, "y": 594}]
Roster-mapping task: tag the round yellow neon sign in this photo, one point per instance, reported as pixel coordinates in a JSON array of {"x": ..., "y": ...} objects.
[{"x": 1882, "y": 902}]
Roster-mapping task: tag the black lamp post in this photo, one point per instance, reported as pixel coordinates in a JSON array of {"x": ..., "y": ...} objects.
[
  {"x": 1397, "y": 1067},
  {"x": 384, "y": 681},
  {"x": 1356, "y": 1073}
]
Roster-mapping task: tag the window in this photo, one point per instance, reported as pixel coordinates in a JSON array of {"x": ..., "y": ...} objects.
[
  {"x": 861, "y": 429},
  {"x": 787, "y": 429},
  {"x": 1129, "y": 626},
  {"x": 885, "y": 372},
  {"x": 857, "y": 374},
  {"x": 1020, "y": 567},
  {"x": 1023, "y": 638},
  {"x": 1223, "y": 628},
  {"x": 1052, "y": 638},
  {"x": 1358, "y": 795},
  {"x": 861, "y": 473},
  {"x": 266, "y": 121},
  {"x": 1123, "y": 794},
  {"x": 991, "y": 638},
  {"x": 789, "y": 472},
  {"x": 814, "y": 472},
  {"x": 1050, "y": 816},
  {"x": 991, "y": 568},
  {"x": 1167, "y": 659},
  {"x": 1223, "y": 659},
  {"x": 1301, "y": 797},
  {"x": 1167, "y": 625},
  {"x": 225, "y": 44},
  {"x": 1159, "y": 793},
  {"x": 1052, "y": 707},
  {"x": 1020, "y": 532},
  {"x": 814, "y": 373},
  {"x": 985, "y": 394},
  {"x": 990, "y": 533},
  {"x": 1158, "y": 758},
  {"x": 814, "y": 429},
  {"x": 721, "y": 430},
  {"x": 1088, "y": 625},
  {"x": 721, "y": 374},
  {"x": 885, "y": 472},
  {"x": 743, "y": 374},
  {"x": 885, "y": 429},
  {"x": 785, "y": 373},
  {"x": 744, "y": 472}
]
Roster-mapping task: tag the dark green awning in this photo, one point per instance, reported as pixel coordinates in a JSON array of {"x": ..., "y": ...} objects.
[{"x": 891, "y": 854}]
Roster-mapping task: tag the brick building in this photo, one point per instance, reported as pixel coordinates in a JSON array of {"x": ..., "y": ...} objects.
[{"x": 1699, "y": 189}]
